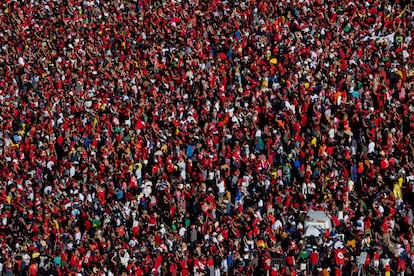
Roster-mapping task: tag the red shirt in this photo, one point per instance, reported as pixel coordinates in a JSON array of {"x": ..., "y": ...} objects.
[
  {"x": 339, "y": 257},
  {"x": 267, "y": 263},
  {"x": 173, "y": 269},
  {"x": 33, "y": 270},
  {"x": 274, "y": 272},
  {"x": 157, "y": 263},
  {"x": 290, "y": 260},
  {"x": 139, "y": 271},
  {"x": 314, "y": 258},
  {"x": 210, "y": 262},
  {"x": 385, "y": 228}
]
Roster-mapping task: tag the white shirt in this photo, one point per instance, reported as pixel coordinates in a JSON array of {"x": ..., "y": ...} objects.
[
  {"x": 72, "y": 172},
  {"x": 221, "y": 187},
  {"x": 138, "y": 173},
  {"x": 81, "y": 197},
  {"x": 277, "y": 225},
  {"x": 371, "y": 147},
  {"x": 224, "y": 266},
  {"x": 338, "y": 244},
  {"x": 162, "y": 232},
  {"x": 331, "y": 133},
  {"x": 78, "y": 236},
  {"x": 133, "y": 242},
  {"x": 182, "y": 231},
  {"x": 385, "y": 262},
  {"x": 124, "y": 259},
  {"x": 26, "y": 259},
  {"x": 381, "y": 209}
]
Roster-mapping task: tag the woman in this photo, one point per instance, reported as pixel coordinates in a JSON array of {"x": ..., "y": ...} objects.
[{"x": 33, "y": 269}]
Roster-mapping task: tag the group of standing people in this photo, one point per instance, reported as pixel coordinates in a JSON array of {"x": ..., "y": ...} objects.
[{"x": 191, "y": 137}]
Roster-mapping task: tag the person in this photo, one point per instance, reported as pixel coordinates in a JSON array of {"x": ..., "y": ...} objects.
[
  {"x": 33, "y": 269},
  {"x": 314, "y": 261}
]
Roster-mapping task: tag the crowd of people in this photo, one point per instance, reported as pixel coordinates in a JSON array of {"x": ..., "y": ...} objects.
[{"x": 191, "y": 137}]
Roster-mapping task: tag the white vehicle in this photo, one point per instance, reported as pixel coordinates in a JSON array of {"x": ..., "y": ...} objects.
[{"x": 316, "y": 223}]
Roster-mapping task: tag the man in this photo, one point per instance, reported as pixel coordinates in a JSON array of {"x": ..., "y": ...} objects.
[
  {"x": 314, "y": 260},
  {"x": 339, "y": 255}
]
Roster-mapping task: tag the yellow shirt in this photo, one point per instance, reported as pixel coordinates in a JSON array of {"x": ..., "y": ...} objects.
[{"x": 351, "y": 243}]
